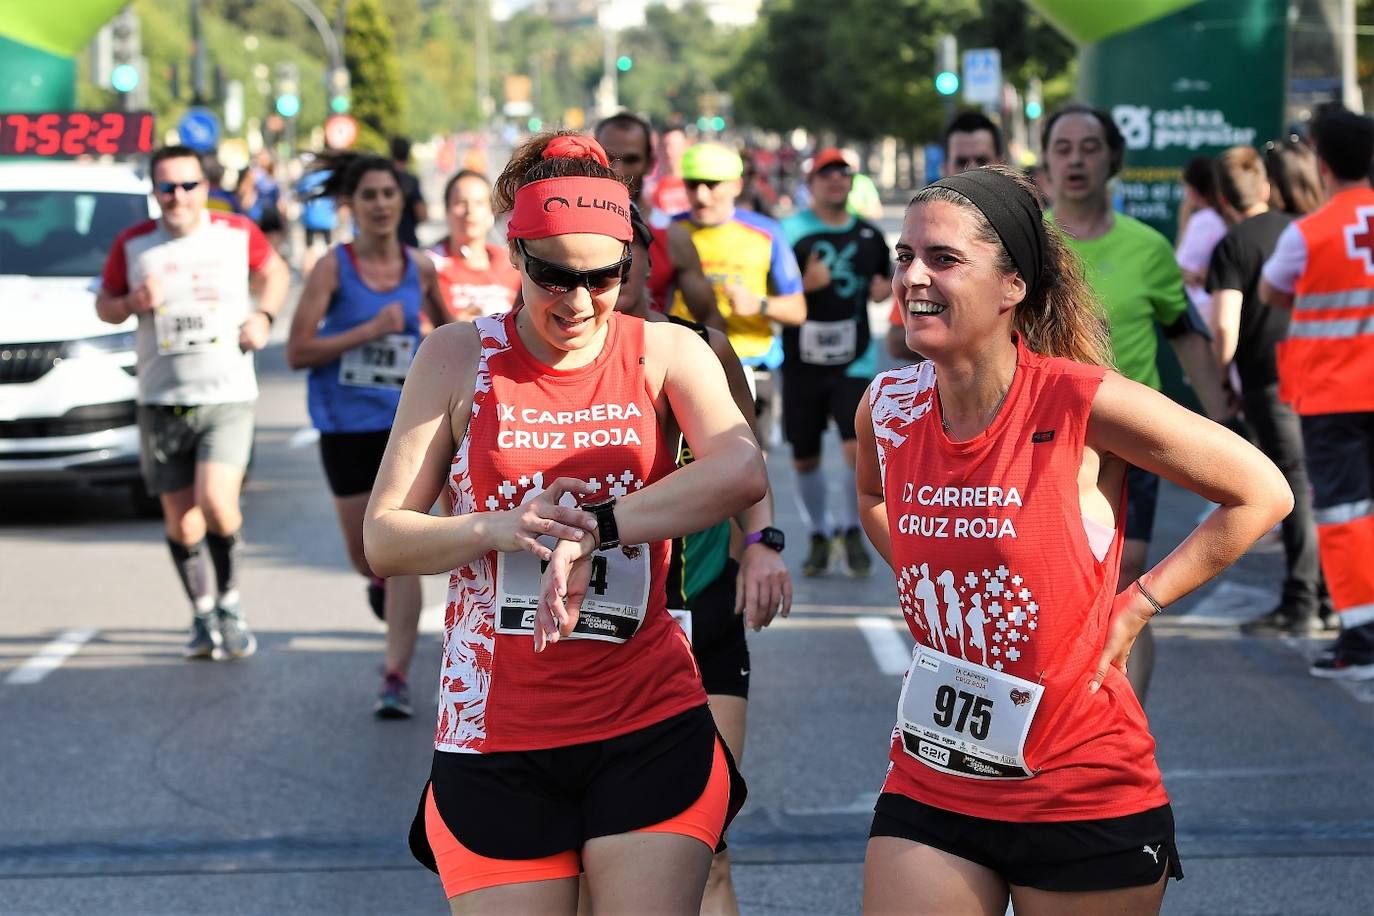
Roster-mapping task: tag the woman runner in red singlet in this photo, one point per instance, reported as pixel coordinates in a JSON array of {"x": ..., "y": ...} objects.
[
  {"x": 991, "y": 480},
  {"x": 573, "y": 730}
]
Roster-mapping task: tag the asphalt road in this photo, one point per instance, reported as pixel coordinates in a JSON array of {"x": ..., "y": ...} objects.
[{"x": 135, "y": 782}]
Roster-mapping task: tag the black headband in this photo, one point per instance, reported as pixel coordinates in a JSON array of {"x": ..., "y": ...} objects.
[{"x": 1014, "y": 215}]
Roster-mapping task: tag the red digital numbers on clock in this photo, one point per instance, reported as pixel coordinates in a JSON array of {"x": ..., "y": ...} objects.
[{"x": 75, "y": 133}]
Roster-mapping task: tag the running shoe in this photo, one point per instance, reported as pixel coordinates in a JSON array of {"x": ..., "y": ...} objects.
[
  {"x": 205, "y": 639},
  {"x": 817, "y": 562},
  {"x": 393, "y": 700},
  {"x": 376, "y": 596},
  {"x": 1345, "y": 665},
  {"x": 1351, "y": 658},
  {"x": 1283, "y": 621},
  {"x": 855, "y": 554},
  {"x": 239, "y": 641}
]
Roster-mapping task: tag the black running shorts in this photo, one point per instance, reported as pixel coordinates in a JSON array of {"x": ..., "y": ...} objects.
[
  {"x": 1094, "y": 855},
  {"x": 718, "y": 642},
  {"x": 532, "y": 804},
  {"x": 811, "y": 396},
  {"x": 351, "y": 460}
]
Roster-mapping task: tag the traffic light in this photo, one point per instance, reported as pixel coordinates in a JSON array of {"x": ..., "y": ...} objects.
[
  {"x": 624, "y": 62},
  {"x": 288, "y": 90},
  {"x": 535, "y": 125},
  {"x": 947, "y": 66},
  {"x": 1034, "y": 105},
  {"x": 718, "y": 124},
  {"x": 339, "y": 88},
  {"x": 126, "y": 47}
]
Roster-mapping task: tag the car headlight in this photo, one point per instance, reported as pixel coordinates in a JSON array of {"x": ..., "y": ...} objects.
[{"x": 91, "y": 346}]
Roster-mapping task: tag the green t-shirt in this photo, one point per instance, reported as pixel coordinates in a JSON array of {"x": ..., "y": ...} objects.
[
  {"x": 863, "y": 195},
  {"x": 1133, "y": 271}
]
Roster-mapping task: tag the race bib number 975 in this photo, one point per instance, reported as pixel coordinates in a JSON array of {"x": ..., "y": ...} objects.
[
  {"x": 612, "y": 610},
  {"x": 964, "y": 719}
]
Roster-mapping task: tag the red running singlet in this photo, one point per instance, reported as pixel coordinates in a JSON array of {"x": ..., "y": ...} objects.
[
  {"x": 628, "y": 664},
  {"x": 1009, "y": 607}
]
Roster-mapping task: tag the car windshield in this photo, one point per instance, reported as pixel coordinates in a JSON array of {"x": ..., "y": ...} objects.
[{"x": 63, "y": 233}]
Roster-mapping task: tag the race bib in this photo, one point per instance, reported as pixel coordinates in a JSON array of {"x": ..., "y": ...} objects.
[
  {"x": 380, "y": 363},
  {"x": 187, "y": 327},
  {"x": 829, "y": 343},
  {"x": 964, "y": 719},
  {"x": 614, "y": 607},
  {"x": 684, "y": 620}
]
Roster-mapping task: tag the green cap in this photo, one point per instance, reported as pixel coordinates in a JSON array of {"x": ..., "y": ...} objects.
[{"x": 711, "y": 162}]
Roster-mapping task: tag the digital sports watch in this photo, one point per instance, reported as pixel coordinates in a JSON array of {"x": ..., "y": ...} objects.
[
  {"x": 607, "y": 534},
  {"x": 769, "y": 537}
]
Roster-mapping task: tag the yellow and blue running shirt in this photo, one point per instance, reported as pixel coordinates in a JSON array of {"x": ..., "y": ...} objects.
[{"x": 751, "y": 250}]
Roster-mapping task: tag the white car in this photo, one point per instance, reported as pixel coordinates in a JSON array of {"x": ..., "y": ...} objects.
[{"x": 67, "y": 384}]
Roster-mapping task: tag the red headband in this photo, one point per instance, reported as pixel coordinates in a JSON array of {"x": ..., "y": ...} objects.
[{"x": 560, "y": 206}]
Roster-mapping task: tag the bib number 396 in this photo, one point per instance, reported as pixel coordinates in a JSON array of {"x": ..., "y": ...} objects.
[{"x": 964, "y": 719}]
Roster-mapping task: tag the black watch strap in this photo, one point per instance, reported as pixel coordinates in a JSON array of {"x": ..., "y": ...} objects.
[{"x": 607, "y": 534}]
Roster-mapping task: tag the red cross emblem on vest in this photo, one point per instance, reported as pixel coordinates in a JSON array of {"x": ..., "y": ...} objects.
[{"x": 1359, "y": 239}]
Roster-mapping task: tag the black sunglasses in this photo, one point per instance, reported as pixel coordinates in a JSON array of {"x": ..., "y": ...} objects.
[
  {"x": 558, "y": 279},
  {"x": 834, "y": 168},
  {"x": 694, "y": 183},
  {"x": 166, "y": 188}
]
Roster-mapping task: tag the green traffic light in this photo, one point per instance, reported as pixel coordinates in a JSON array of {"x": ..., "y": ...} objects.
[
  {"x": 288, "y": 106},
  {"x": 947, "y": 83},
  {"x": 124, "y": 78},
  {"x": 339, "y": 104},
  {"x": 1034, "y": 110},
  {"x": 703, "y": 123},
  {"x": 718, "y": 124},
  {"x": 535, "y": 124},
  {"x": 624, "y": 63}
]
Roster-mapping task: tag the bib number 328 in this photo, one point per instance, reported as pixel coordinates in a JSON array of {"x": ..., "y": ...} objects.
[{"x": 964, "y": 719}]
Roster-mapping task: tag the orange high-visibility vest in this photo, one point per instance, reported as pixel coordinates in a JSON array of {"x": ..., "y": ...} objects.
[{"x": 1327, "y": 363}]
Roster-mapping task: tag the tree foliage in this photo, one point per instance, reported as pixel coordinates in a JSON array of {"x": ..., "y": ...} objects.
[
  {"x": 374, "y": 68},
  {"x": 869, "y": 73}
]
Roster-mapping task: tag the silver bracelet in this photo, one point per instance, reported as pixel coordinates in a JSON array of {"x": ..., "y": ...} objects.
[{"x": 1159, "y": 609}]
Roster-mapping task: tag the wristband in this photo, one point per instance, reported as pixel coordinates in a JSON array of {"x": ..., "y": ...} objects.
[
  {"x": 607, "y": 533},
  {"x": 271, "y": 319},
  {"x": 1140, "y": 586},
  {"x": 763, "y": 306}
]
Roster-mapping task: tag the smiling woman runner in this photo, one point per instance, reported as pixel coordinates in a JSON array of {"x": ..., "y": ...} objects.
[
  {"x": 991, "y": 479},
  {"x": 573, "y": 730}
]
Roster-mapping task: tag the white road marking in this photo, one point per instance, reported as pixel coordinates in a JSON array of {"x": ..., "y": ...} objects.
[
  {"x": 889, "y": 649},
  {"x": 1228, "y": 604},
  {"x": 50, "y": 657},
  {"x": 303, "y": 437}
]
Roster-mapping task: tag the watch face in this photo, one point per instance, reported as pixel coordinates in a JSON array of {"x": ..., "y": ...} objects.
[{"x": 772, "y": 537}]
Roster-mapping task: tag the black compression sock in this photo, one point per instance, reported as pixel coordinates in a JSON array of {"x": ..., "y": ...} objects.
[
  {"x": 224, "y": 554},
  {"x": 195, "y": 575}
]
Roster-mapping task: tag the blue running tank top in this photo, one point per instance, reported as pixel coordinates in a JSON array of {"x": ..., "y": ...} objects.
[{"x": 359, "y": 391}]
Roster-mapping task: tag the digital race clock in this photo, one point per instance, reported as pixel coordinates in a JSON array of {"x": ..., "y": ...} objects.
[{"x": 75, "y": 133}]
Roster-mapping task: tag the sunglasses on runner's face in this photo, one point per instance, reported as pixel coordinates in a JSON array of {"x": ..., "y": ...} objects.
[
  {"x": 558, "y": 279},
  {"x": 834, "y": 169},
  {"x": 694, "y": 183},
  {"x": 168, "y": 188}
]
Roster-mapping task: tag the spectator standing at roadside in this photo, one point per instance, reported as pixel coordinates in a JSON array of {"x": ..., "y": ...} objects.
[
  {"x": 1245, "y": 332},
  {"x": 1200, "y": 228},
  {"x": 1295, "y": 186},
  {"x": 186, "y": 276},
  {"x": 1323, "y": 269}
]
